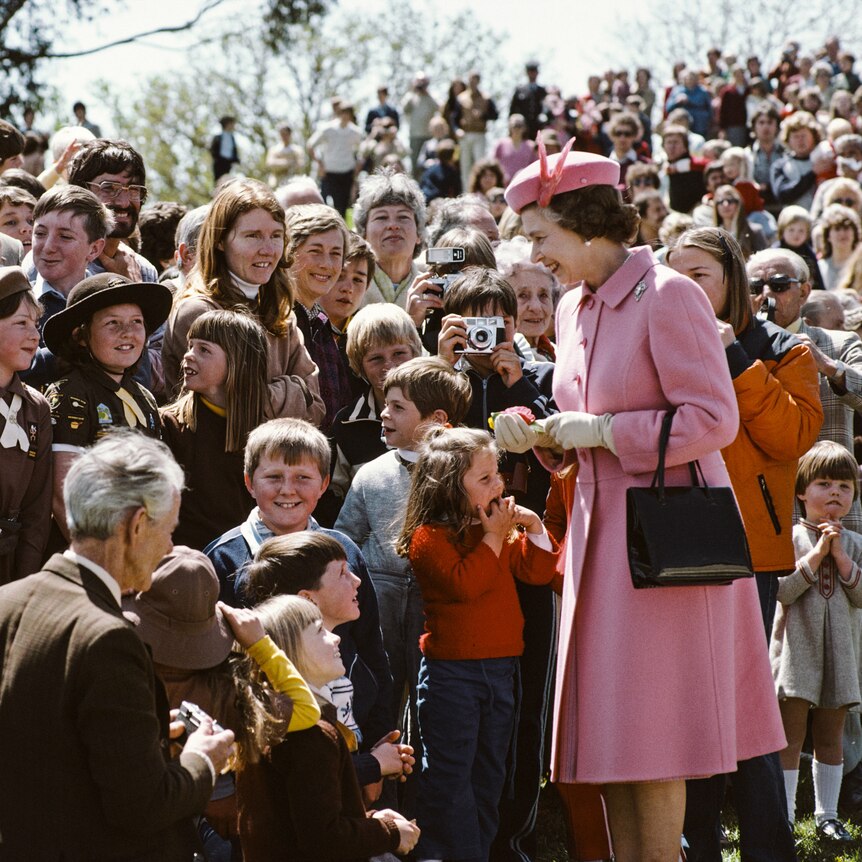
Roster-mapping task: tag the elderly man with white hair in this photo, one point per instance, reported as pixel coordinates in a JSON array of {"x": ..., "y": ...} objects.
[{"x": 86, "y": 773}]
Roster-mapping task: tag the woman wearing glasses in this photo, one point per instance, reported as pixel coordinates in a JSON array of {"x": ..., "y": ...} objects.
[
  {"x": 778, "y": 393},
  {"x": 729, "y": 213},
  {"x": 625, "y": 132}
]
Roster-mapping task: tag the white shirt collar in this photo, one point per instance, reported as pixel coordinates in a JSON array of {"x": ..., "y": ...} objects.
[
  {"x": 103, "y": 574},
  {"x": 408, "y": 455}
]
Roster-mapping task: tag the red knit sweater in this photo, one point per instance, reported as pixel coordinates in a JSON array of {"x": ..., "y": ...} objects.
[{"x": 471, "y": 605}]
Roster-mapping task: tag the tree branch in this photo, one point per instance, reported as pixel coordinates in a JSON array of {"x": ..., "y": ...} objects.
[{"x": 207, "y": 7}]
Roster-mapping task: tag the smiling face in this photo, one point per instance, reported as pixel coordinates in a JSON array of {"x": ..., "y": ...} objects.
[
  {"x": 254, "y": 246},
  {"x": 827, "y": 499},
  {"x": 204, "y": 370},
  {"x": 115, "y": 337},
  {"x": 17, "y": 222},
  {"x": 125, "y": 210},
  {"x": 535, "y": 301},
  {"x": 317, "y": 265},
  {"x": 336, "y": 595},
  {"x": 482, "y": 481},
  {"x": 344, "y": 297},
  {"x": 321, "y": 659},
  {"x": 391, "y": 232},
  {"x": 19, "y": 340},
  {"x": 403, "y": 426},
  {"x": 62, "y": 249},
  {"x": 379, "y": 361},
  {"x": 561, "y": 250},
  {"x": 286, "y": 493},
  {"x": 706, "y": 272}
]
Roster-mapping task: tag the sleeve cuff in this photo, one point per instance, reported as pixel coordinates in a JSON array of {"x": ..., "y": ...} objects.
[
  {"x": 541, "y": 540},
  {"x": 209, "y": 763}
]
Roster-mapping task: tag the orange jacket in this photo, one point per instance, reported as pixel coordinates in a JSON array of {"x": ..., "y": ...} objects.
[{"x": 780, "y": 414}]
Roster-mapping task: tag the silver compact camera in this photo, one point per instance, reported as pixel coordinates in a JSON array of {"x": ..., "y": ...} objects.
[{"x": 483, "y": 334}]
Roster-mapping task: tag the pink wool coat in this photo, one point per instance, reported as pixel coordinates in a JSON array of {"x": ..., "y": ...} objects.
[{"x": 659, "y": 683}]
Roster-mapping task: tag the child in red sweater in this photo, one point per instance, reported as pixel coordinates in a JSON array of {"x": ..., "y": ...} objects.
[{"x": 466, "y": 543}]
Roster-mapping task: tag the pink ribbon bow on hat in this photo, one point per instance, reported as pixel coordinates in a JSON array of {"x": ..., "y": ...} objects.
[{"x": 548, "y": 182}]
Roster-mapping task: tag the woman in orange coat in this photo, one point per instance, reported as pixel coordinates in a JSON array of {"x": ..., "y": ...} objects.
[{"x": 780, "y": 414}]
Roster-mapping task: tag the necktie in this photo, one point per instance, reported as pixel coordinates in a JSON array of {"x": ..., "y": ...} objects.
[
  {"x": 132, "y": 411},
  {"x": 13, "y": 434}
]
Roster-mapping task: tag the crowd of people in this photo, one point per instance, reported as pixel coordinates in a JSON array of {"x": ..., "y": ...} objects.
[{"x": 342, "y": 461}]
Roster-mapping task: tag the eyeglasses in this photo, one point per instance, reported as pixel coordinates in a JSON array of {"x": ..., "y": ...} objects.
[
  {"x": 622, "y": 133},
  {"x": 777, "y": 284},
  {"x": 111, "y": 191},
  {"x": 727, "y": 202},
  {"x": 641, "y": 181},
  {"x": 847, "y": 202}
]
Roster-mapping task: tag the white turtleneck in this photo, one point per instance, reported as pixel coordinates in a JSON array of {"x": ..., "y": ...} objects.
[{"x": 249, "y": 290}]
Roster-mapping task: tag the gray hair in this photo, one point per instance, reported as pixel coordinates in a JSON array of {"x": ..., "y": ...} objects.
[
  {"x": 189, "y": 227},
  {"x": 454, "y": 213},
  {"x": 123, "y": 472},
  {"x": 514, "y": 254},
  {"x": 298, "y": 190},
  {"x": 383, "y": 188},
  {"x": 63, "y": 137},
  {"x": 800, "y": 268}
]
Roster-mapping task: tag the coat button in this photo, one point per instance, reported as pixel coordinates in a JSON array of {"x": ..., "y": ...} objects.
[
  {"x": 583, "y": 342},
  {"x": 577, "y": 378},
  {"x": 589, "y": 302}
]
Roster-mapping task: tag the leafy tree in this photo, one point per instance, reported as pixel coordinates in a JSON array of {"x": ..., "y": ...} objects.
[{"x": 171, "y": 119}]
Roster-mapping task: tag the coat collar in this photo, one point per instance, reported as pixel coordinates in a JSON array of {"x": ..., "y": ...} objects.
[
  {"x": 87, "y": 580},
  {"x": 627, "y": 278}
]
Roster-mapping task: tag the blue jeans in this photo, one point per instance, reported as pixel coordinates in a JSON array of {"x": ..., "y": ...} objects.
[
  {"x": 466, "y": 715},
  {"x": 761, "y": 805}
]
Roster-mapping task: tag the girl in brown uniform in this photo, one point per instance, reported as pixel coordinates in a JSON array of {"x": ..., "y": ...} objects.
[
  {"x": 25, "y": 434},
  {"x": 101, "y": 334}
]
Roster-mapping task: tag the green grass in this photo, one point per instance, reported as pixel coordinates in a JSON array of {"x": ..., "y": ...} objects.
[{"x": 552, "y": 835}]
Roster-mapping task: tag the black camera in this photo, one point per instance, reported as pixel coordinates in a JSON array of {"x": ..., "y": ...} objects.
[
  {"x": 483, "y": 334},
  {"x": 192, "y": 716}
]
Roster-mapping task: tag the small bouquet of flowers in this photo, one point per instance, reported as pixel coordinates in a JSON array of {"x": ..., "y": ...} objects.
[{"x": 524, "y": 412}]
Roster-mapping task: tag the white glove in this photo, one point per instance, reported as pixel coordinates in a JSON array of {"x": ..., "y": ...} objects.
[
  {"x": 513, "y": 434},
  {"x": 574, "y": 430}
]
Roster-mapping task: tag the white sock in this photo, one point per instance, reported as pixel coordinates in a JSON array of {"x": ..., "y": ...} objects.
[
  {"x": 827, "y": 786},
  {"x": 791, "y": 778}
]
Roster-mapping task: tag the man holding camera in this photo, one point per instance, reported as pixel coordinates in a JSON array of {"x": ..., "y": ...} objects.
[{"x": 86, "y": 773}]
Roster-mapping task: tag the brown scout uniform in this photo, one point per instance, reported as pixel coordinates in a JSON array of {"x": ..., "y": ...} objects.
[{"x": 25, "y": 486}]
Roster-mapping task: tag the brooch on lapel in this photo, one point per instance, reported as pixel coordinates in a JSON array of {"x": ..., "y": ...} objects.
[{"x": 639, "y": 290}]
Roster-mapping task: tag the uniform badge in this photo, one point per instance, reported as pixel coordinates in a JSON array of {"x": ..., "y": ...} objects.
[
  {"x": 639, "y": 290},
  {"x": 103, "y": 412},
  {"x": 33, "y": 435}
]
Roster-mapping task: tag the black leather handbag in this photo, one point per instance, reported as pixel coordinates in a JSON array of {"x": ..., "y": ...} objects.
[{"x": 684, "y": 535}]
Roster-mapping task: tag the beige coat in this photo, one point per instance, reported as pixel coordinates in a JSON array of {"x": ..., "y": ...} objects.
[{"x": 815, "y": 639}]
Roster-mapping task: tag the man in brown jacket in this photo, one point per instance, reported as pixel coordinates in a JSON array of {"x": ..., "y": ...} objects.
[{"x": 83, "y": 721}]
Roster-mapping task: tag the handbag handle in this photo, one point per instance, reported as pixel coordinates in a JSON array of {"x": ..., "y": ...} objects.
[{"x": 693, "y": 466}]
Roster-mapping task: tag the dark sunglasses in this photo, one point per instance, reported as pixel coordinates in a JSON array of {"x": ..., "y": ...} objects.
[
  {"x": 729, "y": 201},
  {"x": 777, "y": 284},
  {"x": 622, "y": 133},
  {"x": 847, "y": 202}
]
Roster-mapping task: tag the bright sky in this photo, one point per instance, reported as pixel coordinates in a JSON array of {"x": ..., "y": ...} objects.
[{"x": 572, "y": 42}]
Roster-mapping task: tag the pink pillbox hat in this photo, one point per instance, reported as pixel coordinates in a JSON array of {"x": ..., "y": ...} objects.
[{"x": 563, "y": 172}]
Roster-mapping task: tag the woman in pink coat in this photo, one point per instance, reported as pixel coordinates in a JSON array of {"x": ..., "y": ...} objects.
[{"x": 653, "y": 686}]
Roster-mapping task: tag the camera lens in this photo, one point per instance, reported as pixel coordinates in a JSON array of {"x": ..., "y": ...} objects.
[{"x": 480, "y": 337}]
